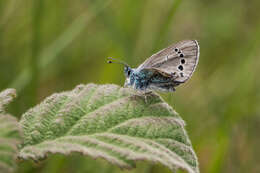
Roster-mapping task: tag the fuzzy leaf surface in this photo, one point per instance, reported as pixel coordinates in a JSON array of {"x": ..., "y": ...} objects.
[
  {"x": 110, "y": 122},
  {"x": 10, "y": 135},
  {"x": 6, "y": 97}
]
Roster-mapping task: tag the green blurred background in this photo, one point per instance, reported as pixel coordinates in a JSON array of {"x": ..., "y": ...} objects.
[{"x": 53, "y": 45}]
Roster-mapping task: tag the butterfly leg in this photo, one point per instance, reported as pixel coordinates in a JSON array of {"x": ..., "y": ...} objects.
[
  {"x": 146, "y": 93},
  {"x": 143, "y": 94},
  {"x": 145, "y": 98},
  {"x": 140, "y": 94}
]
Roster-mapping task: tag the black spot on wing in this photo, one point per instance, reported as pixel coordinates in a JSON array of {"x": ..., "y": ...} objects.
[{"x": 180, "y": 67}]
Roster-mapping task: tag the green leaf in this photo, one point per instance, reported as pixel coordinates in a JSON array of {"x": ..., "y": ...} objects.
[
  {"x": 110, "y": 122},
  {"x": 9, "y": 134},
  {"x": 6, "y": 97}
]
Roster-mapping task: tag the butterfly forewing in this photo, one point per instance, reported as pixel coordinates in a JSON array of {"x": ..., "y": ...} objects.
[{"x": 178, "y": 60}]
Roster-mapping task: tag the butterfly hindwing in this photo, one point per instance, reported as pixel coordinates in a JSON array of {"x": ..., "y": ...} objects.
[{"x": 176, "y": 60}]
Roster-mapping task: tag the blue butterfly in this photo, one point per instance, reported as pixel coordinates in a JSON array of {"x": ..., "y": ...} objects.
[{"x": 164, "y": 70}]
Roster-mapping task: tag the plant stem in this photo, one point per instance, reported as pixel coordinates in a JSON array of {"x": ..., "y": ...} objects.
[{"x": 37, "y": 12}]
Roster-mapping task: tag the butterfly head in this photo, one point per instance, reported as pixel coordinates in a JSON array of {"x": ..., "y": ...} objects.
[{"x": 128, "y": 71}]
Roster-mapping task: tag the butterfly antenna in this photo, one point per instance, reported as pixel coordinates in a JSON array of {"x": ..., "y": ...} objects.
[{"x": 113, "y": 60}]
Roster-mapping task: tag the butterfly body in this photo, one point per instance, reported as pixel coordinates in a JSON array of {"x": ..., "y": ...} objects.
[
  {"x": 147, "y": 80},
  {"x": 166, "y": 69}
]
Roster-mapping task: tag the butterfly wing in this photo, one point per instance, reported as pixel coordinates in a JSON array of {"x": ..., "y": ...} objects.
[{"x": 178, "y": 60}]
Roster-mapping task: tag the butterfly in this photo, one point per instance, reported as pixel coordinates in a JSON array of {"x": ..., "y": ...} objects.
[{"x": 164, "y": 70}]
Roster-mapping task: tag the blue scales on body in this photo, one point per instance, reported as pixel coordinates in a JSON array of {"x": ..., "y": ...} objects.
[{"x": 146, "y": 80}]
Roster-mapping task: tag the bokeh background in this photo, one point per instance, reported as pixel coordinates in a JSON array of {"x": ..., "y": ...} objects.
[{"x": 53, "y": 45}]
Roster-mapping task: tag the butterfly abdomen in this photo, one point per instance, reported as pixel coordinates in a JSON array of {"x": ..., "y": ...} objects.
[
  {"x": 162, "y": 83},
  {"x": 152, "y": 81}
]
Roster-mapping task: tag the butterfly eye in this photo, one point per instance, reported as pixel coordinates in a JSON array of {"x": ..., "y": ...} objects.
[{"x": 129, "y": 72}]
